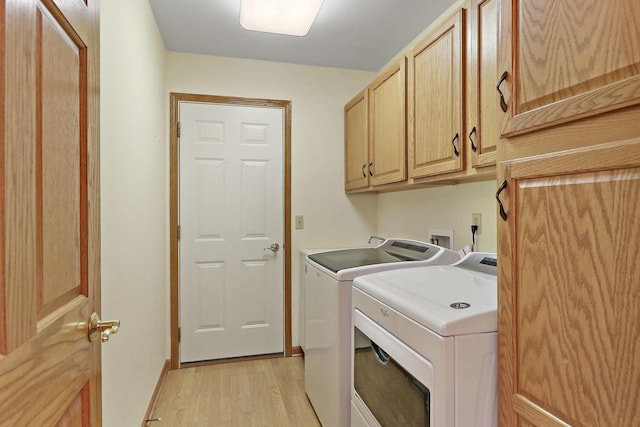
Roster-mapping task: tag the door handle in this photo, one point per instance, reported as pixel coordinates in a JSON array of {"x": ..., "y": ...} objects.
[
  {"x": 102, "y": 329},
  {"x": 473, "y": 143},
  {"x": 453, "y": 142},
  {"x": 273, "y": 248},
  {"x": 503, "y": 213},
  {"x": 503, "y": 103}
]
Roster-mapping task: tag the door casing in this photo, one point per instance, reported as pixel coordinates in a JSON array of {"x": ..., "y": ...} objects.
[{"x": 175, "y": 98}]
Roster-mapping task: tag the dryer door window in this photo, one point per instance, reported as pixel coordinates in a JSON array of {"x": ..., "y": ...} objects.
[{"x": 392, "y": 394}]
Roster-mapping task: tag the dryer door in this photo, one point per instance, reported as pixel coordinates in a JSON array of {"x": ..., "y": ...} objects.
[{"x": 392, "y": 383}]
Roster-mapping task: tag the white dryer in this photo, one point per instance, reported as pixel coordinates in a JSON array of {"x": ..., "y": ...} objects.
[{"x": 424, "y": 346}]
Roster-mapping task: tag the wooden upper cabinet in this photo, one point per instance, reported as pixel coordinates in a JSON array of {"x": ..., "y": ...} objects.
[
  {"x": 387, "y": 105},
  {"x": 434, "y": 101},
  {"x": 356, "y": 142},
  {"x": 483, "y": 101},
  {"x": 568, "y": 287},
  {"x": 567, "y": 60}
]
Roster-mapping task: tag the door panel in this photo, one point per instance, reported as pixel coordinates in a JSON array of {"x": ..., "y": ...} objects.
[
  {"x": 356, "y": 142},
  {"x": 569, "y": 306},
  {"x": 483, "y": 115},
  {"x": 231, "y": 209},
  {"x": 388, "y": 145},
  {"x": 62, "y": 64},
  {"x": 568, "y": 60},
  {"x": 73, "y": 416},
  {"x": 570, "y": 48},
  {"x": 434, "y": 101},
  {"x": 49, "y": 214}
]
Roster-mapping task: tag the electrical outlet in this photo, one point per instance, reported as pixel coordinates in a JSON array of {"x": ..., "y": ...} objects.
[
  {"x": 299, "y": 222},
  {"x": 476, "y": 219}
]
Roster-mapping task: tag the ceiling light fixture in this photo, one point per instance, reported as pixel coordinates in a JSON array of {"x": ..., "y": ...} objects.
[{"x": 291, "y": 17}]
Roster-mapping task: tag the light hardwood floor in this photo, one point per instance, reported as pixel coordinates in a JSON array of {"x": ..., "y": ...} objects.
[{"x": 240, "y": 394}]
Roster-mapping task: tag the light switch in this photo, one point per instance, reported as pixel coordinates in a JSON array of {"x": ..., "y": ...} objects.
[{"x": 299, "y": 222}]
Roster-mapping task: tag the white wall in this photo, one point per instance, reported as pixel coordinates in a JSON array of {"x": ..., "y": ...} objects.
[
  {"x": 318, "y": 95},
  {"x": 412, "y": 213},
  {"x": 137, "y": 76},
  {"x": 134, "y": 208}
]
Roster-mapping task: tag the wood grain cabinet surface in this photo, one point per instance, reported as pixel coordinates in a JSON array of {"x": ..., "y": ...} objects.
[
  {"x": 434, "y": 115},
  {"x": 567, "y": 60},
  {"x": 434, "y": 99},
  {"x": 387, "y": 136},
  {"x": 375, "y": 132},
  {"x": 356, "y": 142},
  {"x": 483, "y": 103},
  {"x": 569, "y": 277}
]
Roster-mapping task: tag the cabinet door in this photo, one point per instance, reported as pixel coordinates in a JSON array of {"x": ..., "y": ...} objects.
[
  {"x": 387, "y": 126},
  {"x": 434, "y": 100},
  {"x": 483, "y": 102},
  {"x": 567, "y": 60},
  {"x": 356, "y": 143},
  {"x": 569, "y": 288}
]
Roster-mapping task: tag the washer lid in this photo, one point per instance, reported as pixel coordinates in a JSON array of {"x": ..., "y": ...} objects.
[
  {"x": 449, "y": 300},
  {"x": 345, "y": 264}
]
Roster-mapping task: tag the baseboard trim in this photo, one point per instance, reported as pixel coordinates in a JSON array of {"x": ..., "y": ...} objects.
[
  {"x": 297, "y": 351},
  {"x": 156, "y": 393}
]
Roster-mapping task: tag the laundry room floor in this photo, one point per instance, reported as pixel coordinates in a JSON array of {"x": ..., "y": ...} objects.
[{"x": 258, "y": 393}]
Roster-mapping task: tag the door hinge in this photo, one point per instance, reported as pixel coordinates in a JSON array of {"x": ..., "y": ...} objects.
[
  {"x": 178, "y": 129},
  {"x": 179, "y": 334},
  {"x": 178, "y": 232}
]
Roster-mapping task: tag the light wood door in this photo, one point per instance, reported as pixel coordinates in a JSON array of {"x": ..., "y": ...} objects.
[
  {"x": 434, "y": 99},
  {"x": 231, "y": 214},
  {"x": 49, "y": 213},
  {"x": 388, "y": 145},
  {"x": 568, "y": 288},
  {"x": 566, "y": 60},
  {"x": 356, "y": 142},
  {"x": 483, "y": 101}
]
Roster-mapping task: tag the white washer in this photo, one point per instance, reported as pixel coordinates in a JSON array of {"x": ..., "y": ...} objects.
[
  {"x": 328, "y": 281},
  {"x": 424, "y": 346}
]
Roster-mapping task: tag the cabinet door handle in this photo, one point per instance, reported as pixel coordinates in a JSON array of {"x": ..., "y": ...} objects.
[
  {"x": 453, "y": 142},
  {"x": 473, "y": 143},
  {"x": 503, "y": 104},
  {"x": 370, "y": 166},
  {"x": 364, "y": 174},
  {"x": 503, "y": 214}
]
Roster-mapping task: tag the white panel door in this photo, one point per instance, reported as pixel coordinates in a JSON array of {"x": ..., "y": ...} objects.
[{"x": 231, "y": 212}]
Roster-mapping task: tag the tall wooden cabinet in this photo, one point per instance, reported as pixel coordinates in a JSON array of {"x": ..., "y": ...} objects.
[
  {"x": 434, "y": 99},
  {"x": 569, "y": 177}
]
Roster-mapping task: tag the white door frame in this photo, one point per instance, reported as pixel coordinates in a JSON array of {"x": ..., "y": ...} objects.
[{"x": 175, "y": 98}]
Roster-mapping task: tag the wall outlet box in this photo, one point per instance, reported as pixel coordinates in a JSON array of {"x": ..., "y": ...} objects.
[
  {"x": 476, "y": 219},
  {"x": 442, "y": 238}
]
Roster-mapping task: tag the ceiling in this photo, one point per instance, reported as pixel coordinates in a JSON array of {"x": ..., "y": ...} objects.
[{"x": 354, "y": 34}]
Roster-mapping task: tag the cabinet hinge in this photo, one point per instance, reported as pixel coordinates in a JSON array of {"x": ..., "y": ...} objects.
[
  {"x": 178, "y": 129},
  {"x": 178, "y": 232}
]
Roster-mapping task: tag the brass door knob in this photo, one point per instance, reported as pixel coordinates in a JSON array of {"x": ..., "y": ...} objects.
[{"x": 102, "y": 329}]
